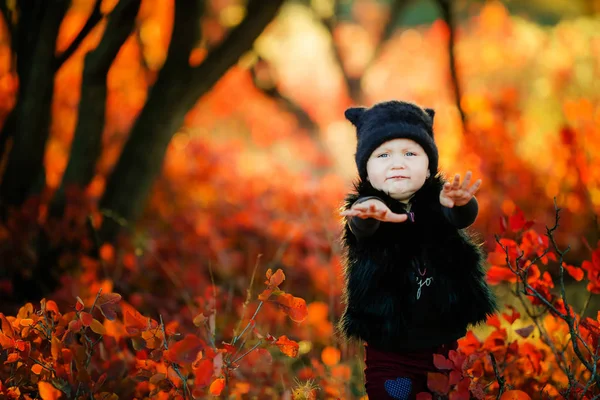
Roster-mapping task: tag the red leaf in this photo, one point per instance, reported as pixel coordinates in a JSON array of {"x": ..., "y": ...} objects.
[
  {"x": 185, "y": 351},
  {"x": 496, "y": 275},
  {"x": 107, "y": 303},
  {"x": 494, "y": 321},
  {"x": 86, "y": 318},
  {"x": 503, "y": 224},
  {"x": 229, "y": 348},
  {"x": 513, "y": 316},
  {"x": 203, "y": 370},
  {"x": 517, "y": 221},
  {"x": 438, "y": 383},
  {"x": 79, "y": 305},
  {"x": 442, "y": 362},
  {"x": 454, "y": 377}
]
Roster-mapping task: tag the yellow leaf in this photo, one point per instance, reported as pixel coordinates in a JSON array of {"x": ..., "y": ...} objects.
[{"x": 97, "y": 327}]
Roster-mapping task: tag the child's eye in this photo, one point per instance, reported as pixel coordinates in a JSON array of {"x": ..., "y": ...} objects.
[
  {"x": 382, "y": 155},
  {"x": 410, "y": 153}
]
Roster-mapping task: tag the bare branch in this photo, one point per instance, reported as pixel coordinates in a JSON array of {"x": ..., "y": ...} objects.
[
  {"x": 352, "y": 84},
  {"x": 92, "y": 21},
  {"x": 446, "y": 9}
]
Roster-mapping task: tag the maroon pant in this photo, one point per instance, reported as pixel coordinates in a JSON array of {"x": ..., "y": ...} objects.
[{"x": 402, "y": 376}]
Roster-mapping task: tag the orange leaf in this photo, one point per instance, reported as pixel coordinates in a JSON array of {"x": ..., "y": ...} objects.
[
  {"x": 7, "y": 328},
  {"x": 199, "y": 320},
  {"x": 438, "y": 383},
  {"x": 515, "y": 395},
  {"x": 51, "y": 306},
  {"x": 287, "y": 347},
  {"x": 26, "y": 322},
  {"x": 265, "y": 294},
  {"x": 576, "y": 273},
  {"x": 36, "y": 369},
  {"x": 330, "y": 356},
  {"x": 277, "y": 278},
  {"x": 12, "y": 357},
  {"x": 294, "y": 307},
  {"x": 97, "y": 327},
  {"x": 217, "y": 387},
  {"x": 185, "y": 351},
  {"x": 48, "y": 392},
  {"x": 133, "y": 320}
]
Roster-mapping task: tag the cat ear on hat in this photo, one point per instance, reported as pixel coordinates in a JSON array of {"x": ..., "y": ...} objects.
[
  {"x": 430, "y": 112},
  {"x": 354, "y": 114}
]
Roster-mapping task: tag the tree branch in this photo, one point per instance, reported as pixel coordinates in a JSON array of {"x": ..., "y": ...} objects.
[
  {"x": 87, "y": 142},
  {"x": 352, "y": 84},
  {"x": 303, "y": 118},
  {"x": 94, "y": 18},
  {"x": 447, "y": 14},
  {"x": 395, "y": 11},
  {"x": 176, "y": 91}
]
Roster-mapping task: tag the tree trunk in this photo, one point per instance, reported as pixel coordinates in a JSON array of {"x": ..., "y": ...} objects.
[
  {"x": 177, "y": 89},
  {"x": 35, "y": 64},
  {"x": 87, "y": 141}
]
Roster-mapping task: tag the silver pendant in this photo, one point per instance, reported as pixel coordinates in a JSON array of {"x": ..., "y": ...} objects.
[{"x": 422, "y": 282}]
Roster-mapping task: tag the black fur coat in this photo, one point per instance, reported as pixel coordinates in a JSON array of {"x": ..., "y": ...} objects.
[{"x": 380, "y": 271}]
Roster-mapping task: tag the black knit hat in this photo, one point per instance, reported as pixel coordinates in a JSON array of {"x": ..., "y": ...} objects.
[{"x": 392, "y": 120}]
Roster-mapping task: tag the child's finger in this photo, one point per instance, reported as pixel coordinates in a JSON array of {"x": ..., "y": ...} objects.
[
  {"x": 392, "y": 217},
  {"x": 456, "y": 182},
  {"x": 475, "y": 187},
  {"x": 467, "y": 181}
]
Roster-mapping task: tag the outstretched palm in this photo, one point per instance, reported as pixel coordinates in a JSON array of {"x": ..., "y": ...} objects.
[{"x": 457, "y": 194}]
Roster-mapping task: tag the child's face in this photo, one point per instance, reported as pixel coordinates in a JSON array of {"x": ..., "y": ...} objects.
[{"x": 399, "y": 168}]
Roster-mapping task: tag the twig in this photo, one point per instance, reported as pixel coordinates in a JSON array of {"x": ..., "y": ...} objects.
[
  {"x": 499, "y": 378},
  {"x": 174, "y": 365},
  {"x": 249, "y": 351}
]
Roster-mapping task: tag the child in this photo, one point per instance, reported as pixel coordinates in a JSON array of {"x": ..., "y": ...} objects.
[{"x": 414, "y": 279}]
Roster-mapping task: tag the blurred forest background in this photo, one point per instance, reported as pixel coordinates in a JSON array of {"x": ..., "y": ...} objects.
[{"x": 154, "y": 148}]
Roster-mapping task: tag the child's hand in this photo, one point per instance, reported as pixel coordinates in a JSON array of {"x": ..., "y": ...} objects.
[
  {"x": 455, "y": 194},
  {"x": 374, "y": 209}
]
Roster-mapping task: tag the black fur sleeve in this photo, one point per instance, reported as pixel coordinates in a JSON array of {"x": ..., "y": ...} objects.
[{"x": 463, "y": 216}]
